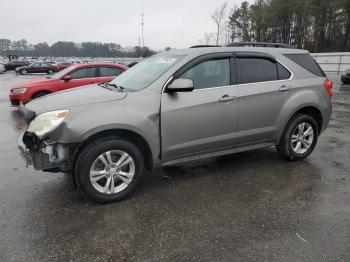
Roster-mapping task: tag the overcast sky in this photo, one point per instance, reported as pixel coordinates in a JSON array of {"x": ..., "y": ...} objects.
[{"x": 175, "y": 23}]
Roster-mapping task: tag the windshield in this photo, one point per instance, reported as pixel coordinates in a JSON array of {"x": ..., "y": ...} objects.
[
  {"x": 145, "y": 73},
  {"x": 61, "y": 73}
]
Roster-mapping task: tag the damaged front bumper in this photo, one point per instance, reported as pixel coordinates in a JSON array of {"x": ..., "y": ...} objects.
[{"x": 45, "y": 155}]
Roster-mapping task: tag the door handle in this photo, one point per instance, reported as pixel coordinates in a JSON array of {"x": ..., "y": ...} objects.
[
  {"x": 284, "y": 88},
  {"x": 226, "y": 98}
]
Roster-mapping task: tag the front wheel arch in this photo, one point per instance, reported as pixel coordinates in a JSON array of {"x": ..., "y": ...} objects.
[
  {"x": 40, "y": 94},
  {"x": 127, "y": 135}
]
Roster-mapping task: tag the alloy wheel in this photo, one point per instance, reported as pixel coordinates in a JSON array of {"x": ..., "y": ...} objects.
[
  {"x": 112, "y": 172},
  {"x": 302, "y": 138}
]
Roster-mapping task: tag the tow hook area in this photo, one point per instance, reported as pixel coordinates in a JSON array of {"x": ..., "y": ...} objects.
[{"x": 47, "y": 154}]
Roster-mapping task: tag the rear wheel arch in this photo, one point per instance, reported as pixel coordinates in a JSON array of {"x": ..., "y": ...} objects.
[
  {"x": 128, "y": 135},
  {"x": 314, "y": 112},
  {"x": 310, "y": 110}
]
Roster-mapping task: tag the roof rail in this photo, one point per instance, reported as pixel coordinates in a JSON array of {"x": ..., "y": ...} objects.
[
  {"x": 199, "y": 46},
  {"x": 260, "y": 44}
]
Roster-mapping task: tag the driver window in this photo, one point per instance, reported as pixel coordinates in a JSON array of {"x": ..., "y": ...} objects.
[
  {"x": 212, "y": 73},
  {"x": 88, "y": 72}
]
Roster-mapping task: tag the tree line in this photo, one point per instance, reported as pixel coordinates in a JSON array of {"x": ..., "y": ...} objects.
[
  {"x": 66, "y": 49},
  {"x": 315, "y": 25}
]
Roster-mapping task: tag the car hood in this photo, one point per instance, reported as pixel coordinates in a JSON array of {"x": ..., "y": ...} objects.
[
  {"x": 86, "y": 95},
  {"x": 35, "y": 82}
]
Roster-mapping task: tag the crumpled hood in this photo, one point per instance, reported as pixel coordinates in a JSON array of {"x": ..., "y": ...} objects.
[{"x": 85, "y": 95}]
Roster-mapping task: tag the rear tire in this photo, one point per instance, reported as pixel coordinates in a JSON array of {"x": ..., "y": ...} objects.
[
  {"x": 299, "y": 138},
  {"x": 49, "y": 72},
  {"x": 103, "y": 160},
  {"x": 40, "y": 94}
]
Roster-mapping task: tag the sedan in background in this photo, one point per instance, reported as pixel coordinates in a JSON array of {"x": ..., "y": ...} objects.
[
  {"x": 63, "y": 65},
  {"x": 345, "y": 77},
  {"x": 72, "y": 76},
  {"x": 37, "y": 67},
  {"x": 12, "y": 65}
]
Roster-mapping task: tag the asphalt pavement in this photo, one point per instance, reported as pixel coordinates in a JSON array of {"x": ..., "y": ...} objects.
[{"x": 252, "y": 206}]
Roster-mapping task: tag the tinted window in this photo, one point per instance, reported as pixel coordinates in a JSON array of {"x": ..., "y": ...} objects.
[
  {"x": 307, "y": 62},
  {"x": 283, "y": 73},
  {"x": 211, "y": 73},
  {"x": 88, "y": 72},
  {"x": 110, "y": 71},
  {"x": 252, "y": 70}
]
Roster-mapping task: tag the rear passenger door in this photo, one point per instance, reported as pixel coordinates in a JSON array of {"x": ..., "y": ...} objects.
[
  {"x": 263, "y": 88},
  {"x": 108, "y": 73}
]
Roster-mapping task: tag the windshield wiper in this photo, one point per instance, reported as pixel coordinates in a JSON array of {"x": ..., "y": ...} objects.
[{"x": 116, "y": 86}]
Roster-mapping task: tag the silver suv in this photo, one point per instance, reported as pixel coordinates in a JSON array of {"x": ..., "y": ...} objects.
[{"x": 178, "y": 106}]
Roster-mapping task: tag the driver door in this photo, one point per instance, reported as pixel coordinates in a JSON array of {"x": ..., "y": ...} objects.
[{"x": 204, "y": 119}]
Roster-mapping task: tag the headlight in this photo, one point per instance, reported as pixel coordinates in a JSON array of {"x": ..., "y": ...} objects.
[
  {"x": 20, "y": 90},
  {"x": 46, "y": 122}
]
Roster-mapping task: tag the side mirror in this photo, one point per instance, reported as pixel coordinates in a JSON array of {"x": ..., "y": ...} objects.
[
  {"x": 66, "y": 78},
  {"x": 180, "y": 85}
]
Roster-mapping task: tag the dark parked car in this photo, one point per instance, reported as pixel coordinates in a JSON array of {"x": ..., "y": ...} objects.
[
  {"x": 345, "y": 77},
  {"x": 12, "y": 65},
  {"x": 37, "y": 67}
]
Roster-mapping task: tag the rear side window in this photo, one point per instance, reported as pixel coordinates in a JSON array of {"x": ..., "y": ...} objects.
[
  {"x": 283, "y": 73},
  {"x": 307, "y": 62},
  {"x": 252, "y": 70},
  {"x": 109, "y": 71}
]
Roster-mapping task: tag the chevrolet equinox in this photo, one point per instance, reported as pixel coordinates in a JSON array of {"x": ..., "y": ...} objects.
[{"x": 178, "y": 106}]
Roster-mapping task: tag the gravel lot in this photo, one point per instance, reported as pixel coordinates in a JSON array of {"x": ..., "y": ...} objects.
[{"x": 252, "y": 206}]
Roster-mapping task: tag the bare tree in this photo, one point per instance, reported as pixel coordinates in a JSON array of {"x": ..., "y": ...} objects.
[
  {"x": 219, "y": 17},
  {"x": 206, "y": 39}
]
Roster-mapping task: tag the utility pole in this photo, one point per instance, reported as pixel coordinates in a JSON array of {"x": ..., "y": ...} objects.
[
  {"x": 142, "y": 25},
  {"x": 140, "y": 48}
]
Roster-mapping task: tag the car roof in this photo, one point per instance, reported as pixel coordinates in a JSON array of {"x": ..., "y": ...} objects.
[
  {"x": 101, "y": 64},
  {"x": 209, "y": 50}
]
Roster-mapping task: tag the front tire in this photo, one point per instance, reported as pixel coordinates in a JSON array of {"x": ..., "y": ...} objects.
[
  {"x": 299, "y": 138},
  {"x": 109, "y": 169},
  {"x": 23, "y": 72}
]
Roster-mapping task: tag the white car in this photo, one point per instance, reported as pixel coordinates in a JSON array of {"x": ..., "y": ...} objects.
[{"x": 2, "y": 68}]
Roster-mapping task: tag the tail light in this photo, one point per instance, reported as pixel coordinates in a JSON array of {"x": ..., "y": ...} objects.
[{"x": 328, "y": 85}]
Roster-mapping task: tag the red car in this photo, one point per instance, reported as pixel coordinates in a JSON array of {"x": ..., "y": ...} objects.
[{"x": 72, "y": 76}]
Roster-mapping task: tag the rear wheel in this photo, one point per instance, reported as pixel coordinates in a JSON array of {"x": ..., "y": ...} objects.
[
  {"x": 40, "y": 94},
  {"x": 50, "y": 71},
  {"x": 109, "y": 169},
  {"x": 299, "y": 138},
  {"x": 23, "y": 72}
]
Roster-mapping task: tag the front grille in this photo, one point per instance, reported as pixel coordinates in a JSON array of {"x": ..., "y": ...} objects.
[{"x": 15, "y": 102}]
